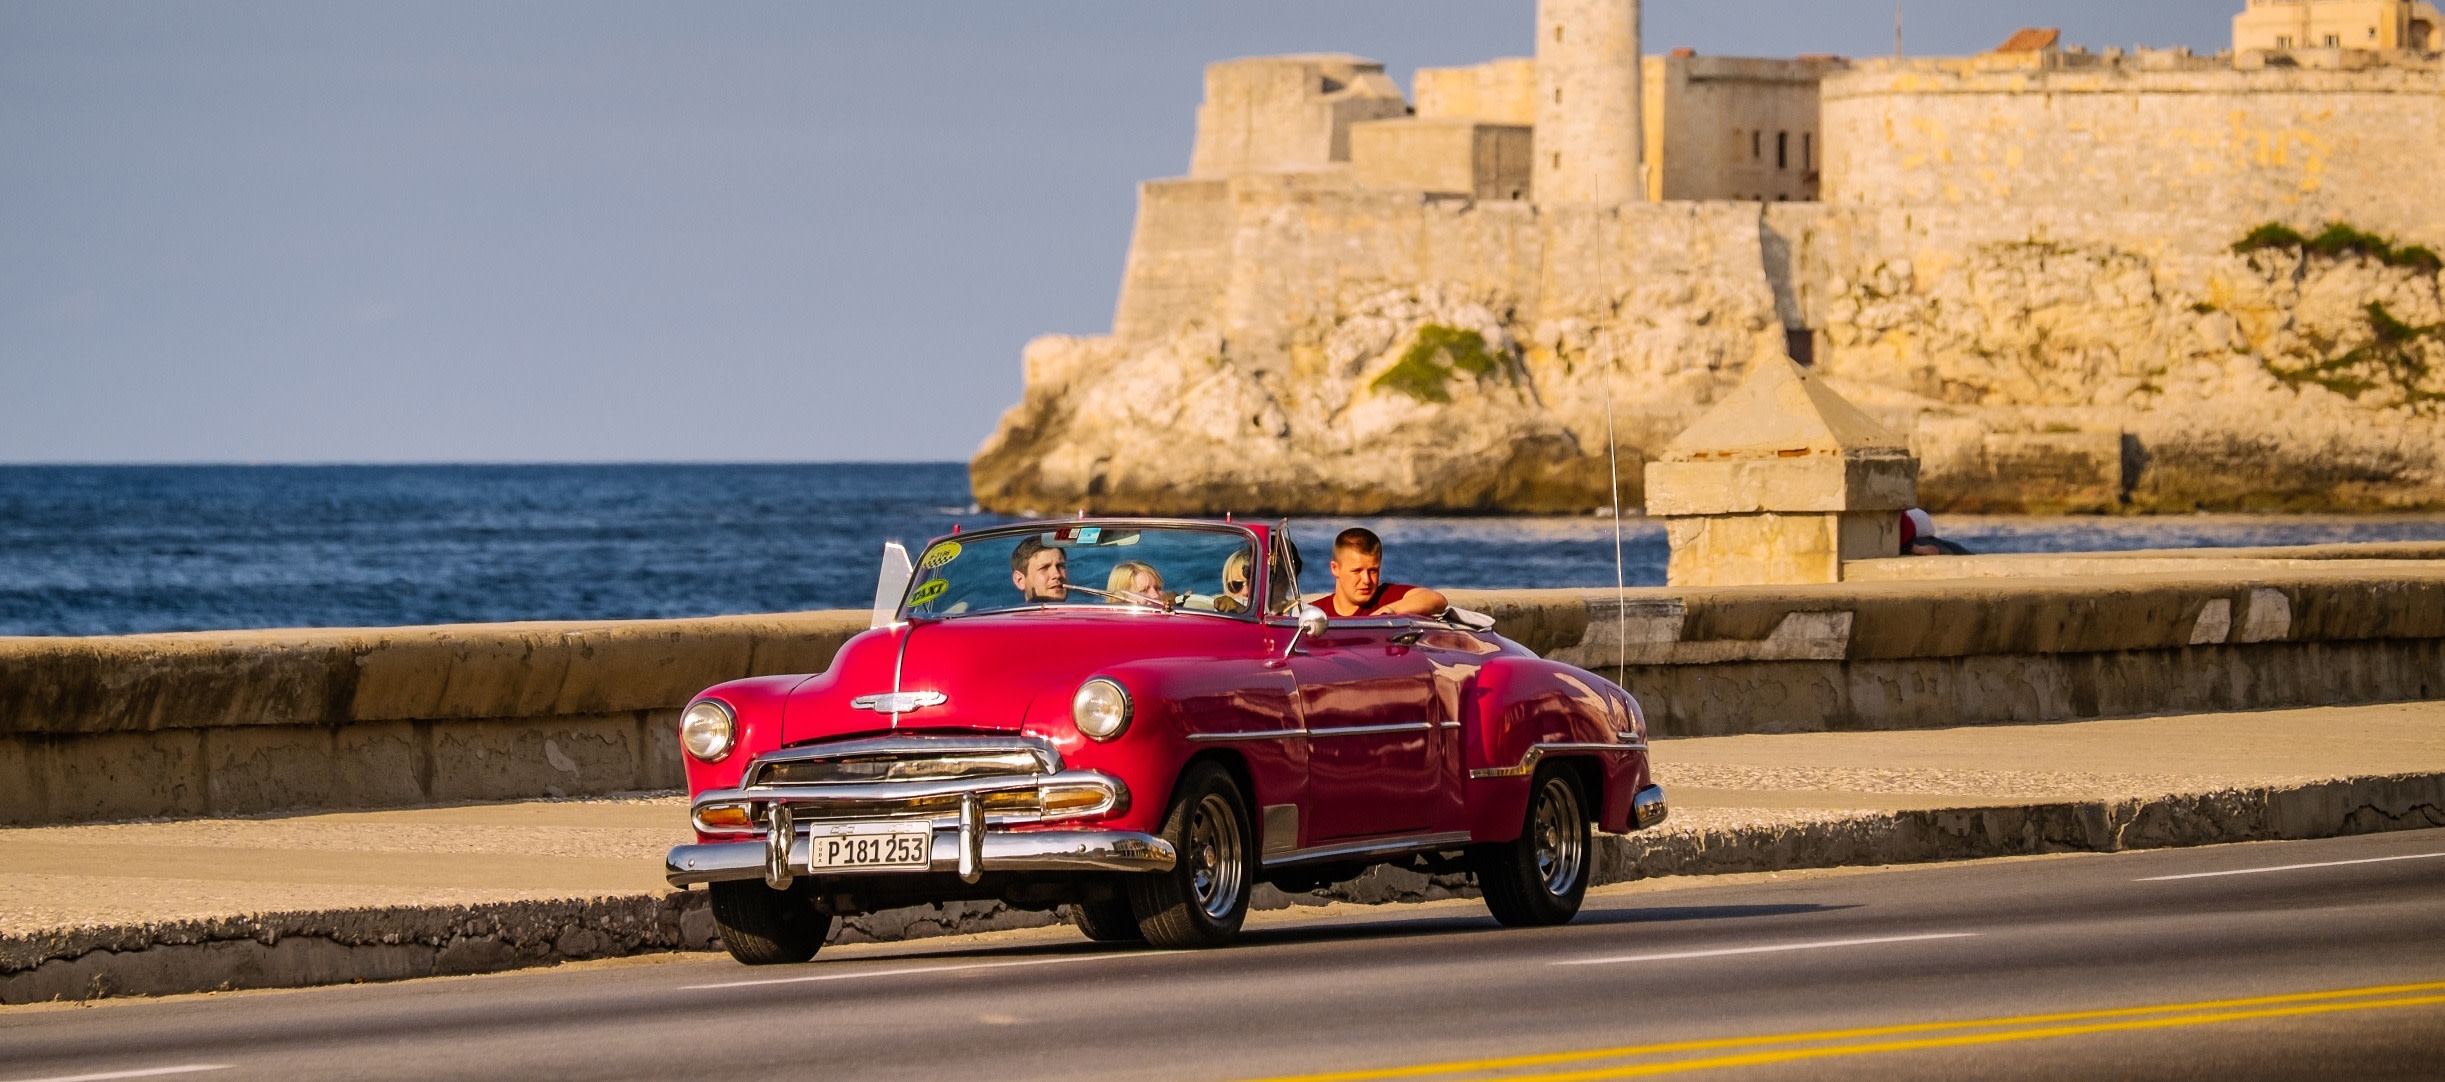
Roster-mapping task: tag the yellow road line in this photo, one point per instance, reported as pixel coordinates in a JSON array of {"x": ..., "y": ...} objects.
[
  {"x": 1752, "y": 1059},
  {"x": 1551, "y": 1058}
]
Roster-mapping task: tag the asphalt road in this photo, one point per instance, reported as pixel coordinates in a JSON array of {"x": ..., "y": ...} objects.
[{"x": 2243, "y": 964}]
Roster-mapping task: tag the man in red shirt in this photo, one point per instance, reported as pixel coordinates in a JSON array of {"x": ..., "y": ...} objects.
[{"x": 1359, "y": 588}]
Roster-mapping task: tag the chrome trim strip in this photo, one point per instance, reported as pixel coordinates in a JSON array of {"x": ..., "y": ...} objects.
[
  {"x": 1006, "y": 851},
  {"x": 1370, "y": 730},
  {"x": 1268, "y": 734},
  {"x": 1447, "y": 725},
  {"x": 909, "y": 744},
  {"x": 1528, "y": 759},
  {"x": 899, "y": 658},
  {"x": 1377, "y": 847}
]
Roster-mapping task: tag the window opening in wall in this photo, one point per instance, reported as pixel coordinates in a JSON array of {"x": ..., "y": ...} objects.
[
  {"x": 1800, "y": 344},
  {"x": 1557, "y": 159},
  {"x": 2333, "y": 40},
  {"x": 1808, "y": 150},
  {"x": 1782, "y": 150},
  {"x": 1557, "y": 33},
  {"x": 1757, "y": 144},
  {"x": 2283, "y": 41},
  {"x": 1557, "y": 95}
]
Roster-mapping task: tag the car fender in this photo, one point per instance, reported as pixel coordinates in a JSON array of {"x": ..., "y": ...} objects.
[
  {"x": 1225, "y": 709},
  {"x": 755, "y": 708},
  {"x": 1528, "y": 712}
]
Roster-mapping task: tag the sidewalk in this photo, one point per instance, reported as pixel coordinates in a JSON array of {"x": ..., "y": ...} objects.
[{"x": 1739, "y": 803}]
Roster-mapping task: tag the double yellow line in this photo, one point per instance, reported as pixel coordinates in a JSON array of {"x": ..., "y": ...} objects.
[{"x": 1913, "y": 1036}]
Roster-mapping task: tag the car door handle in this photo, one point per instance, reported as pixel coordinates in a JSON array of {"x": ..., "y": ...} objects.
[{"x": 1408, "y": 638}]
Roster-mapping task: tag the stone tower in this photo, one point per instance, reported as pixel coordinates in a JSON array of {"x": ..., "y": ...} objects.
[{"x": 1587, "y": 132}]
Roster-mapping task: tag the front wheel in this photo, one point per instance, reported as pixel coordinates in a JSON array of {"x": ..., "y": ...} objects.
[
  {"x": 762, "y": 926},
  {"x": 1203, "y": 899},
  {"x": 1540, "y": 877},
  {"x": 1107, "y": 920}
]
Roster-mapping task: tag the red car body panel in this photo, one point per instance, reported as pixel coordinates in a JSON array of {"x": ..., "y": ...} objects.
[{"x": 1329, "y": 730}]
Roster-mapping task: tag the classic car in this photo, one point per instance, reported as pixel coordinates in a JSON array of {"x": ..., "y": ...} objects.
[{"x": 1140, "y": 719}]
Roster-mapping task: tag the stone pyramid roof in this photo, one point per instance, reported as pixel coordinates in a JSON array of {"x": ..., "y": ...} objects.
[{"x": 1778, "y": 410}]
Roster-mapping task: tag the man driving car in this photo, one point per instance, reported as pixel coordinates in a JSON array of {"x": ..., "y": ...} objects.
[
  {"x": 1359, "y": 588},
  {"x": 1040, "y": 571}
]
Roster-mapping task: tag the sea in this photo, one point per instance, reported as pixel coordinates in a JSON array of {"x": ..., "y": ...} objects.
[{"x": 109, "y": 550}]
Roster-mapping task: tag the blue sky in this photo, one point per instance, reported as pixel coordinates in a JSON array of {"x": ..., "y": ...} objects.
[{"x": 347, "y": 232}]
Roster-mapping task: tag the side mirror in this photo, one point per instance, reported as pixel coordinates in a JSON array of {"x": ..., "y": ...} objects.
[
  {"x": 891, "y": 583},
  {"x": 1312, "y": 621}
]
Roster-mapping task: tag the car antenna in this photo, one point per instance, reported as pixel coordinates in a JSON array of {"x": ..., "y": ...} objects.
[{"x": 1613, "y": 461}]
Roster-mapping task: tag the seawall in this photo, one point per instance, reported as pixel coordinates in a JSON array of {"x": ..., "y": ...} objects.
[
  {"x": 240, "y": 722},
  {"x": 235, "y": 723}
]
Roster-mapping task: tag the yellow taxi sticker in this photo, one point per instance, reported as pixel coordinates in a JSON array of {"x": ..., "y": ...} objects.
[
  {"x": 928, "y": 591},
  {"x": 939, "y": 555}
]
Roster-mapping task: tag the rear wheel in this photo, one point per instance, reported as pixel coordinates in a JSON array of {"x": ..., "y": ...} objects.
[
  {"x": 762, "y": 926},
  {"x": 1540, "y": 877},
  {"x": 1108, "y": 920},
  {"x": 1203, "y": 899}
]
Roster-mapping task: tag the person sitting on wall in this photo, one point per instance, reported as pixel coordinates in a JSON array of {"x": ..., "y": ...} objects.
[
  {"x": 1919, "y": 537},
  {"x": 1040, "y": 571},
  {"x": 1136, "y": 579},
  {"x": 1359, "y": 588}
]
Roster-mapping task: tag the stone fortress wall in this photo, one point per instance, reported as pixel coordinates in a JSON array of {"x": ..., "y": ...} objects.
[{"x": 2026, "y": 261}]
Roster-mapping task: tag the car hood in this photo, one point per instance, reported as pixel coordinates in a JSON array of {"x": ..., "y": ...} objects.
[{"x": 992, "y": 670}]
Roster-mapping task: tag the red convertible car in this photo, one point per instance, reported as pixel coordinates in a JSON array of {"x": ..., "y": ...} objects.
[{"x": 1141, "y": 720}]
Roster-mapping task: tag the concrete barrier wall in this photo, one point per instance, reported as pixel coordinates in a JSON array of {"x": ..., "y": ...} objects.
[
  {"x": 1928, "y": 654},
  {"x": 225, "y": 723},
  {"x": 230, "y": 723}
]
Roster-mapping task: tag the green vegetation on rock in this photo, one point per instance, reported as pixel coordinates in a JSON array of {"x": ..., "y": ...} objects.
[
  {"x": 2339, "y": 240},
  {"x": 1424, "y": 370},
  {"x": 2395, "y": 358}
]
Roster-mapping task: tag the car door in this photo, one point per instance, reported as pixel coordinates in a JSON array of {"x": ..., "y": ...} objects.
[{"x": 1366, "y": 696}]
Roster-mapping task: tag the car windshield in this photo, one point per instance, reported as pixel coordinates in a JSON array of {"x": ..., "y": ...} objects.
[{"x": 1182, "y": 568}]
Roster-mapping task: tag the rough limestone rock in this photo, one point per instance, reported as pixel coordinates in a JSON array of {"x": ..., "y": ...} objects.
[
  {"x": 1408, "y": 399},
  {"x": 2030, "y": 375},
  {"x": 2278, "y": 378}
]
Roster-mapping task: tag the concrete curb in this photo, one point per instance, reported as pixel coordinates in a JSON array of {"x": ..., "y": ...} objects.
[{"x": 341, "y": 946}]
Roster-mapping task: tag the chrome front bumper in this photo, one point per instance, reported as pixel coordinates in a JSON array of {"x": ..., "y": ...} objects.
[
  {"x": 985, "y": 850},
  {"x": 970, "y": 790}
]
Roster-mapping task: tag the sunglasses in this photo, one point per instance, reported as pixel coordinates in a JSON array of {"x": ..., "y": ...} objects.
[{"x": 1235, "y": 585}]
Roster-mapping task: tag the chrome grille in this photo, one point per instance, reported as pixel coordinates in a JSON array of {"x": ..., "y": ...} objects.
[{"x": 904, "y": 759}]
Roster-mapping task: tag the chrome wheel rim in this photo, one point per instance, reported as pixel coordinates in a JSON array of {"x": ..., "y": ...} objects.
[
  {"x": 1557, "y": 832},
  {"x": 1216, "y": 861}
]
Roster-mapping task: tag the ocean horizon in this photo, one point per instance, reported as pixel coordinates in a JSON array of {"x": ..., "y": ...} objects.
[{"x": 108, "y": 549}]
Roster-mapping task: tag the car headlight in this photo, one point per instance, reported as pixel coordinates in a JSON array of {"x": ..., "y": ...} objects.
[
  {"x": 708, "y": 730},
  {"x": 1101, "y": 708}
]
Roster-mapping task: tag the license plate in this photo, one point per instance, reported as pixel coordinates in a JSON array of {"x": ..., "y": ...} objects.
[{"x": 870, "y": 845}]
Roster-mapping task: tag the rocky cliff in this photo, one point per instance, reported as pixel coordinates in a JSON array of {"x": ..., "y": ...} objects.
[{"x": 1459, "y": 358}]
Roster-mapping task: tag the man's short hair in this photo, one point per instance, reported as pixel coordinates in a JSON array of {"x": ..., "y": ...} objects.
[
  {"x": 1360, "y": 540},
  {"x": 1025, "y": 554}
]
